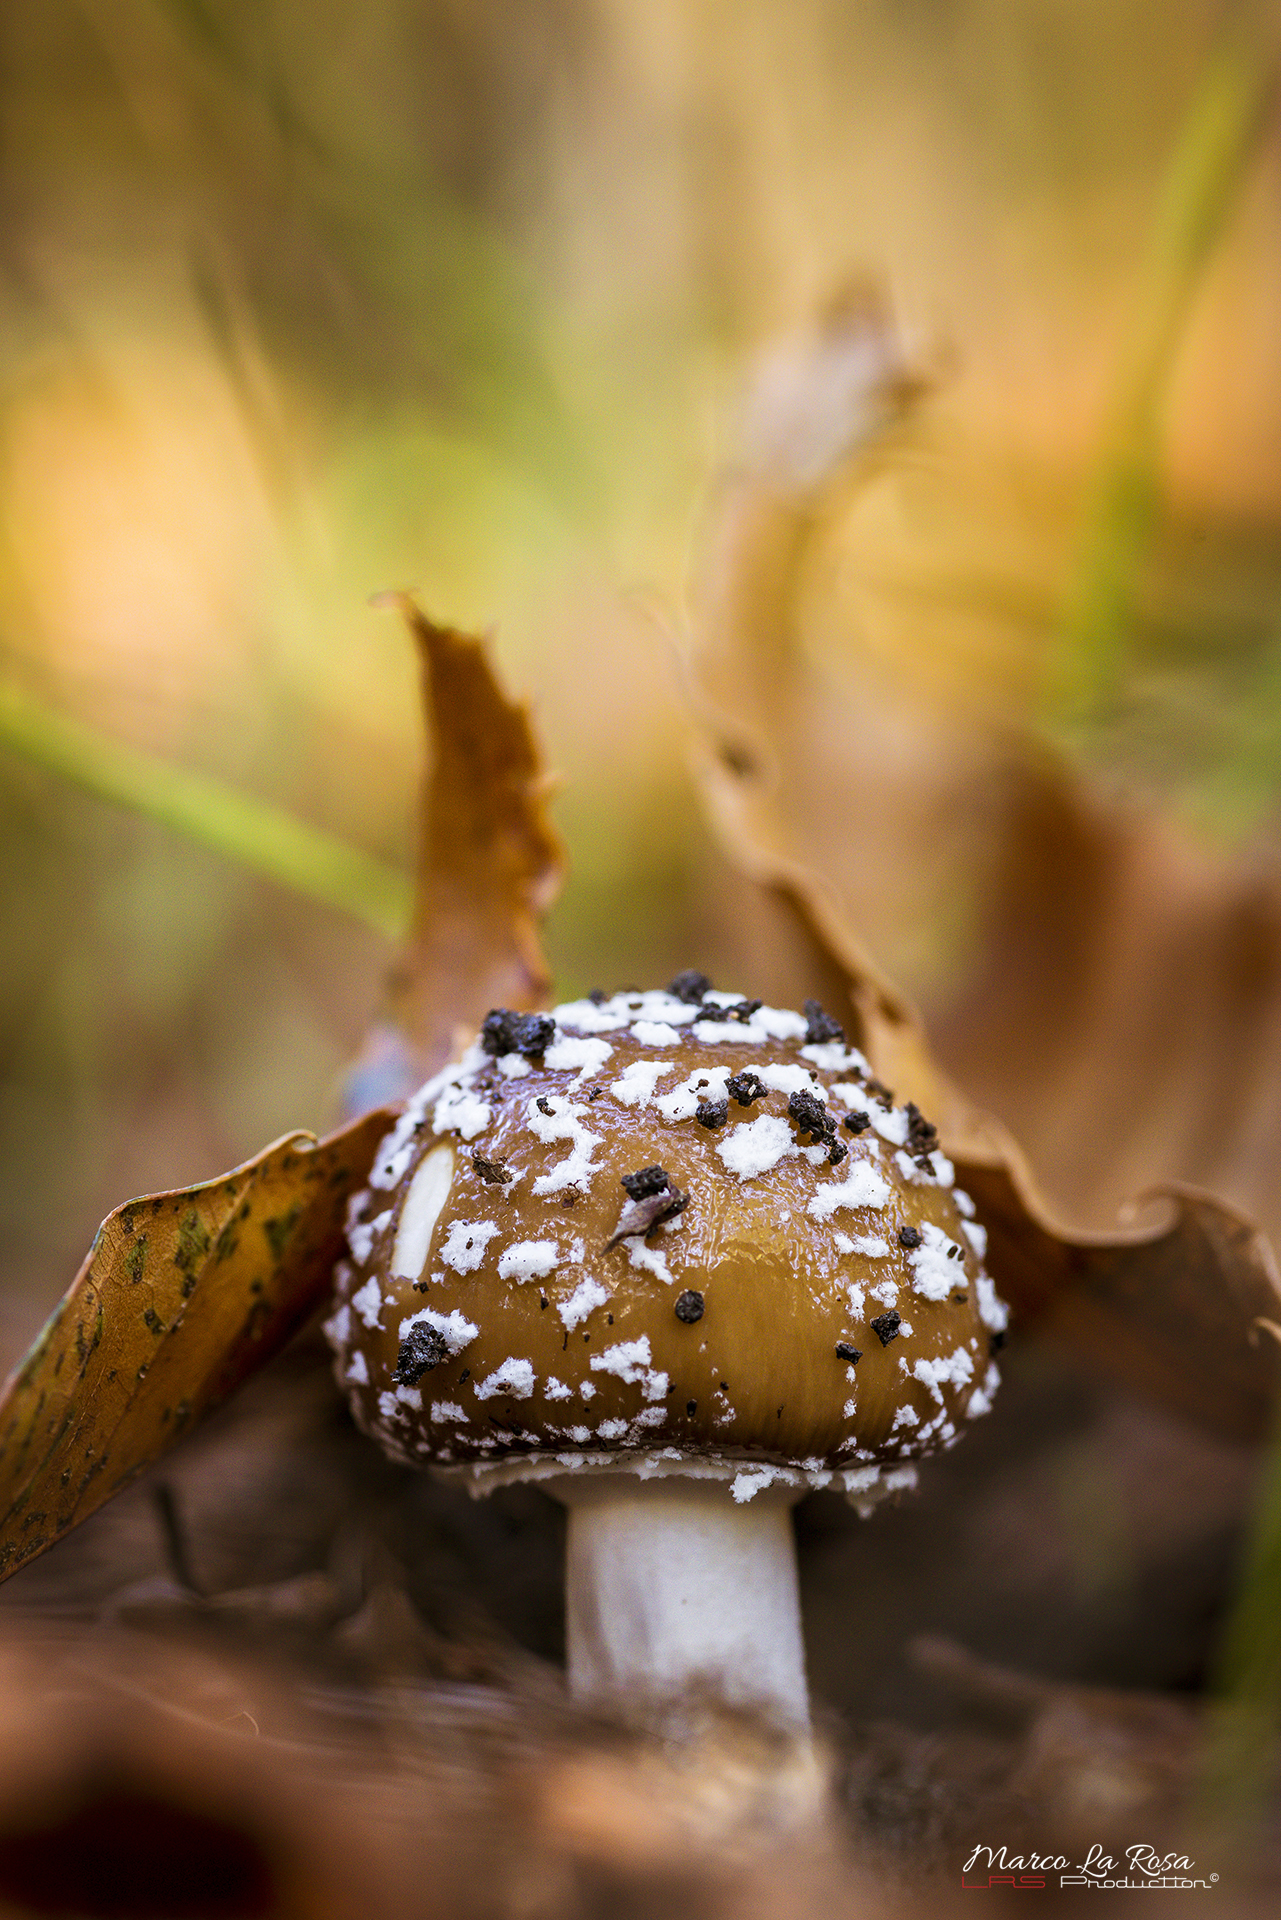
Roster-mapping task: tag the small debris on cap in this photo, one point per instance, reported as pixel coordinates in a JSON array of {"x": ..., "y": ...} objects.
[
  {"x": 846, "y": 1350},
  {"x": 712, "y": 1113},
  {"x": 922, "y": 1134},
  {"x": 742, "y": 1010},
  {"x": 811, "y": 1116},
  {"x": 493, "y": 1172},
  {"x": 657, "y": 1199},
  {"x": 423, "y": 1349},
  {"x": 808, "y": 1111},
  {"x": 598, "y": 996},
  {"x": 691, "y": 1408},
  {"x": 689, "y": 986},
  {"x": 820, "y": 1026},
  {"x": 649, "y": 1180},
  {"x": 745, "y": 1087},
  {"x": 909, "y": 1237},
  {"x": 836, "y": 1153},
  {"x": 504, "y": 1031},
  {"x": 544, "y": 1106},
  {"x": 886, "y": 1326},
  {"x": 857, "y": 1122},
  {"x": 689, "y": 1306},
  {"x": 997, "y": 1341}
]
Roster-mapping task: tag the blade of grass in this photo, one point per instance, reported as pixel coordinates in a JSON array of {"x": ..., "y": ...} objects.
[
  {"x": 252, "y": 832},
  {"x": 1245, "y": 1722},
  {"x": 1200, "y": 189}
]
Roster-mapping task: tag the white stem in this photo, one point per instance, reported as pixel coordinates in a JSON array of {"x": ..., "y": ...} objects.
[{"x": 671, "y": 1581}]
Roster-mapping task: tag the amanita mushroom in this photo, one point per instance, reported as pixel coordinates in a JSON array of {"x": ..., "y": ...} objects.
[{"x": 680, "y": 1257}]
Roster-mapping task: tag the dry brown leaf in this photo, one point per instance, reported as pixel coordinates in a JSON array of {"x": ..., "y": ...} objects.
[
  {"x": 182, "y": 1297},
  {"x": 1180, "y": 1308},
  {"x": 489, "y": 864},
  {"x": 1125, "y": 1014}
]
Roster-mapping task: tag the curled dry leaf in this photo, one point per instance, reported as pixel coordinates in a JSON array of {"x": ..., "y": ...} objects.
[
  {"x": 489, "y": 866},
  {"x": 1135, "y": 978},
  {"x": 182, "y": 1297},
  {"x": 1183, "y": 1307}
]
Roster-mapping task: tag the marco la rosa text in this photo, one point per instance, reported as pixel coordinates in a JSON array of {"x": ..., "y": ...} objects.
[{"x": 1140, "y": 1866}]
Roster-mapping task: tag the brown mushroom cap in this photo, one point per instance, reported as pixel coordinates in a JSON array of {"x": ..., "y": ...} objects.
[{"x": 668, "y": 1233}]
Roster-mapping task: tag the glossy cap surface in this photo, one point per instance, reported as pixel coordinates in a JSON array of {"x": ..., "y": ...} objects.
[{"x": 675, "y": 1229}]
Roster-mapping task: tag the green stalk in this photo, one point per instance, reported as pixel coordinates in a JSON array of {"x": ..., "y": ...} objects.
[
  {"x": 253, "y": 833},
  {"x": 1245, "y": 1718},
  {"x": 1200, "y": 189}
]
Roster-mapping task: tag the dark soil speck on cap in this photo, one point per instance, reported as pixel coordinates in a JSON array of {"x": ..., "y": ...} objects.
[
  {"x": 423, "y": 1349},
  {"x": 648, "y": 1180},
  {"x": 745, "y": 1087},
  {"x": 689, "y": 986},
  {"x": 820, "y": 1026},
  {"x": 493, "y": 1172},
  {"x": 505, "y": 1031},
  {"x": 809, "y": 1113},
  {"x": 922, "y": 1134}
]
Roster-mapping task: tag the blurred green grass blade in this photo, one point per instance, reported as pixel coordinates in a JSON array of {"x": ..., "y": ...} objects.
[
  {"x": 1201, "y": 187},
  {"x": 1244, "y": 1747},
  {"x": 251, "y": 832}
]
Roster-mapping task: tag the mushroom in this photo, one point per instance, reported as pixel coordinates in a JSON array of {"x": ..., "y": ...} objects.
[{"x": 679, "y": 1257}]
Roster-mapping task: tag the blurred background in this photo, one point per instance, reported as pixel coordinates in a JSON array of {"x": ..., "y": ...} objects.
[
  {"x": 299, "y": 302},
  {"x": 302, "y": 302}
]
